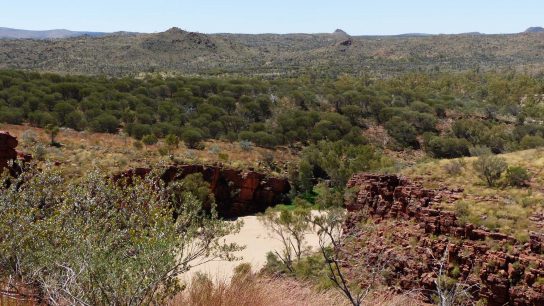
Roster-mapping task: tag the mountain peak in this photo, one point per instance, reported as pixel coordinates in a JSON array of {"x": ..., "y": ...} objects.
[
  {"x": 535, "y": 30},
  {"x": 340, "y": 32},
  {"x": 175, "y": 30}
]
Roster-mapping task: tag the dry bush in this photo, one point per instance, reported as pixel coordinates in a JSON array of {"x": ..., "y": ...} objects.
[
  {"x": 455, "y": 167},
  {"x": 249, "y": 289}
]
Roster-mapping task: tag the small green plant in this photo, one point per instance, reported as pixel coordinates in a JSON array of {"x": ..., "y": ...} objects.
[
  {"x": 517, "y": 176},
  {"x": 163, "y": 151},
  {"x": 456, "y": 271},
  {"x": 214, "y": 149},
  {"x": 462, "y": 211},
  {"x": 137, "y": 145},
  {"x": 224, "y": 157}
]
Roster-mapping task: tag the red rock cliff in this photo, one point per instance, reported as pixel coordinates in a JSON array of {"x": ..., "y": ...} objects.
[
  {"x": 8, "y": 152},
  {"x": 237, "y": 192},
  {"x": 506, "y": 271}
]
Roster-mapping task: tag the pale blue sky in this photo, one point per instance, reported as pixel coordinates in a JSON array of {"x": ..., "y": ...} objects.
[{"x": 279, "y": 16}]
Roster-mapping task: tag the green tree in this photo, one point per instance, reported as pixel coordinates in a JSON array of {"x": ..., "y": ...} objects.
[
  {"x": 172, "y": 141},
  {"x": 192, "y": 138},
  {"x": 105, "y": 123},
  {"x": 490, "y": 168},
  {"x": 403, "y": 133},
  {"x": 150, "y": 139},
  {"x": 291, "y": 227},
  {"x": 52, "y": 131}
]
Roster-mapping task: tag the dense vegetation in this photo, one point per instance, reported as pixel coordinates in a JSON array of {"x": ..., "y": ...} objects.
[
  {"x": 334, "y": 126},
  {"x": 445, "y": 114}
]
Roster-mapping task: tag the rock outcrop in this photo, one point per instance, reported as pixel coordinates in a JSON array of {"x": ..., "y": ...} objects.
[
  {"x": 501, "y": 269},
  {"x": 9, "y": 153},
  {"x": 237, "y": 193}
]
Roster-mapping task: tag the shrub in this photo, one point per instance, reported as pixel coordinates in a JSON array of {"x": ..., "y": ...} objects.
[
  {"x": 479, "y": 151},
  {"x": 150, "y": 139},
  {"x": 462, "y": 210},
  {"x": 105, "y": 123},
  {"x": 163, "y": 151},
  {"x": 136, "y": 251},
  {"x": 454, "y": 167},
  {"x": 335, "y": 161},
  {"x": 11, "y": 115},
  {"x": 215, "y": 149},
  {"x": 29, "y": 137},
  {"x": 421, "y": 107},
  {"x": 138, "y": 130},
  {"x": 246, "y": 145},
  {"x": 75, "y": 120},
  {"x": 403, "y": 133},
  {"x": 40, "y": 151},
  {"x": 470, "y": 129},
  {"x": 490, "y": 168},
  {"x": 41, "y": 118},
  {"x": 448, "y": 147},
  {"x": 224, "y": 157},
  {"x": 517, "y": 176},
  {"x": 172, "y": 140},
  {"x": 137, "y": 145},
  {"x": 192, "y": 138},
  {"x": 531, "y": 142}
]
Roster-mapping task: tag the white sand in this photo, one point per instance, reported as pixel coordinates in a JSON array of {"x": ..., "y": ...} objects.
[{"x": 258, "y": 242}]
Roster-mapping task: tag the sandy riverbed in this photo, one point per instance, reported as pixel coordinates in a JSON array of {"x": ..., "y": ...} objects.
[{"x": 258, "y": 242}]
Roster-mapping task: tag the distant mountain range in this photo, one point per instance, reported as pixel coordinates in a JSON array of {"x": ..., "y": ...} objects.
[
  {"x": 48, "y": 34},
  {"x": 183, "y": 52},
  {"x": 9, "y": 33}
]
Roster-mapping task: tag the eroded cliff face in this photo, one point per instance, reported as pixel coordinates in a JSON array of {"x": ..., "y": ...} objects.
[
  {"x": 237, "y": 193},
  {"x": 9, "y": 153},
  {"x": 503, "y": 270}
]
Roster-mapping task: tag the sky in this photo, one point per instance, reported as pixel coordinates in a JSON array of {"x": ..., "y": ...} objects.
[{"x": 364, "y": 17}]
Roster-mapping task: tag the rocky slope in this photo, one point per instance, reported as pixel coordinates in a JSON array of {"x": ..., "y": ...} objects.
[
  {"x": 500, "y": 269},
  {"x": 237, "y": 193},
  {"x": 9, "y": 153}
]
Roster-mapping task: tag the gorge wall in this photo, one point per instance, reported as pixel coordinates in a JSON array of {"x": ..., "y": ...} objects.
[
  {"x": 237, "y": 192},
  {"x": 502, "y": 270}
]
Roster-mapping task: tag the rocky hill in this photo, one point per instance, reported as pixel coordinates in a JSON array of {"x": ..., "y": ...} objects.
[
  {"x": 178, "y": 51},
  {"x": 500, "y": 269},
  {"x": 535, "y": 30}
]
